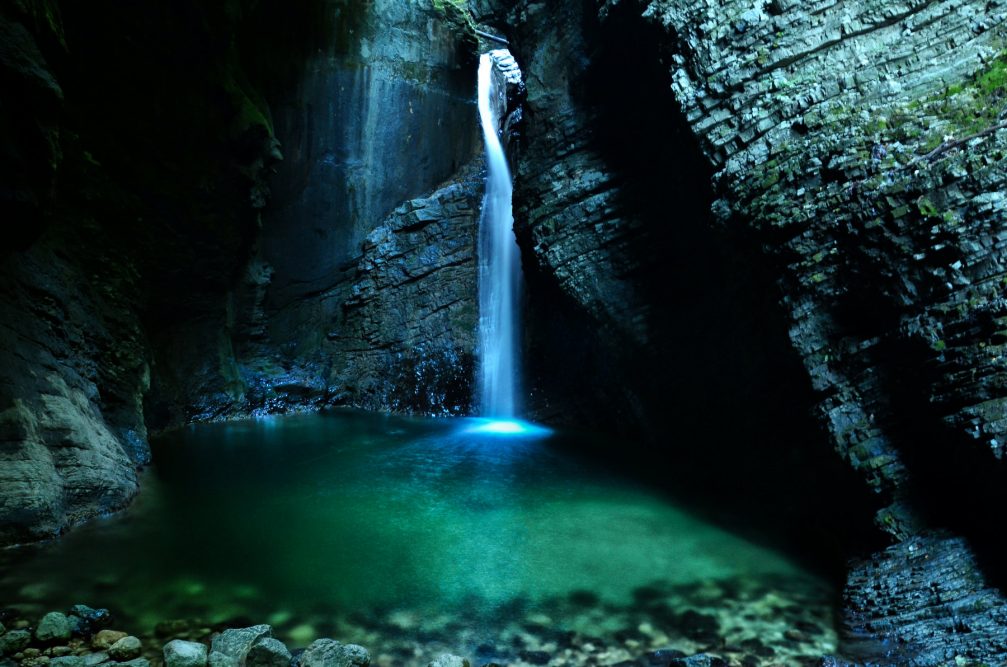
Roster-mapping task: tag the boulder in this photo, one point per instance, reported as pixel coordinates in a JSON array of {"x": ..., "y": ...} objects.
[
  {"x": 236, "y": 642},
  {"x": 180, "y": 653},
  {"x": 330, "y": 653},
  {"x": 53, "y": 627},
  {"x": 268, "y": 652},
  {"x": 13, "y": 641},
  {"x": 125, "y": 649},
  {"x": 105, "y": 638},
  {"x": 68, "y": 661}
]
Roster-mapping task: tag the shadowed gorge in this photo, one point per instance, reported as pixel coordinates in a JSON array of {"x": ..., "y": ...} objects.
[{"x": 489, "y": 333}]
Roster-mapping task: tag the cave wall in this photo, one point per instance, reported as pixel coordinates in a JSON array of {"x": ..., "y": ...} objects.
[
  {"x": 142, "y": 286},
  {"x": 111, "y": 142},
  {"x": 381, "y": 114},
  {"x": 854, "y": 151}
]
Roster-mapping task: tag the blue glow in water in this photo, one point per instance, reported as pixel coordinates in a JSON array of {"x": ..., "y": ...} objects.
[{"x": 506, "y": 427}]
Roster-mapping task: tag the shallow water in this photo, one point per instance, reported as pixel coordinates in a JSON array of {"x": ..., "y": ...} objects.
[{"x": 366, "y": 526}]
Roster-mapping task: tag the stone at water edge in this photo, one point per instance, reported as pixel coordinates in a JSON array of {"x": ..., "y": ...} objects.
[
  {"x": 105, "y": 638},
  {"x": 180, "y": 653},
  {"x": 54, "y": 626},
  {"x": 218, "y": 659},
  {"x": 330, "y": 653},
  {"x": 94, "y": 659},
  {"x": 136, "y": 662},
  {"x": 269, "y": 652},
  {"x": 699, "y": 660},
  {"x": 125, "y": 649},
  {"x": 448, "y": 660},
  {"x": 13, "y": 641},
  {"x": 236, "y": 642},
  {"x": 68, "y": 661}
]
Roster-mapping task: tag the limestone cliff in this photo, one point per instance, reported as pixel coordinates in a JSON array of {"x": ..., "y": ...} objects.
[{"x": 858, "y": 150}]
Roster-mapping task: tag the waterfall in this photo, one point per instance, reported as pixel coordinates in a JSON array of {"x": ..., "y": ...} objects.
[{"x": 499, "y": 263}]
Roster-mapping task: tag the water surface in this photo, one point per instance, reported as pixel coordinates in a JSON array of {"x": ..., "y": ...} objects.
[{"x": 355, "y": 523}]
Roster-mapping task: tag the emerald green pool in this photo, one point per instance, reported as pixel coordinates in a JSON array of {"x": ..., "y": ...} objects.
[{"x": 365, "y": 526}]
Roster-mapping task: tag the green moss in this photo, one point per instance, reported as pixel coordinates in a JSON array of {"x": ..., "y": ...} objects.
[
  {"x": 457, "y": 14},
  {"x": 939, "y": 345},
  {"x": 927, "y": 208}
]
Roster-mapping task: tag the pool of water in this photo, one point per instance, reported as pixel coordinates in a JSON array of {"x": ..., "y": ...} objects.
[{"x": 442, "y": 534}]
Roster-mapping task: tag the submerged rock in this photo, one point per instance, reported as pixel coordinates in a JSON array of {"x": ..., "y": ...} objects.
[
  {"x": 699, "y": 660},
  {"x": 105, "y": 638},
  {"x": 125, "y": 649},
  {"x": 330, "y": 653},
  {"x": 448, "y": 660},
  {"x": 68, "y": 661},
  {"x": 54, "y": 626},
  {"x": 13, "y": 641},
  {"x": 269, "y": 652},
  {"x": 180, "y": 653},
  {"x": 237, "y": 642}
]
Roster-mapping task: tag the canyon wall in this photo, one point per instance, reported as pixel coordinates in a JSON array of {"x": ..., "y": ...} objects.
[
  {"x": 144, "y": 282},
  {"x": 855, "y": 152}
]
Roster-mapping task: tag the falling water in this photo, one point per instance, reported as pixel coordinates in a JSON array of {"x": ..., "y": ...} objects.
[{"x": 499, "y": 267}]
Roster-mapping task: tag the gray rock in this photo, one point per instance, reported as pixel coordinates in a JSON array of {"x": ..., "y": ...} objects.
[
  {"x": 268, "y": 652},
  {"x": 13, "y": 641},
  {"x": 330, "y": 653},
  {"x": 236, "y": 642},
  {"x": 93, "y": 659},
  {"x": 68, "y": 661},
  {"x": 180, "y": 653},
  {"x": 218, "y": 659},
  {"x": 125, "y": 649},
  {"x": 448, "y": 660},
  {"x": 54, "y": 626},
  {"x": 135, "y": 662},
  {"x": 699, "y": 660}
]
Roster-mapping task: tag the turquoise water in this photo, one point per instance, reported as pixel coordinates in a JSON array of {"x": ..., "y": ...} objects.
[{"x": 315, "y": 523}]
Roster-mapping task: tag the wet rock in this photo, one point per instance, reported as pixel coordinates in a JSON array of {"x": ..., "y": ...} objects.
[
  {"x": 13, "y": 641},
  {"x": 93, "y": 659},
  {"x": 125, "y": 649},
  {"x": 330, "y": 653},
  {"x": 448, "y": 660},
  {"x": 699, "y": 660},
  {"x": 180, "y": 653},
  {"x": 104, "y": 639},
  {"x": 54, "y": 626},
  {"x": 237, "y": 642},
  {"x": 91, "y": 620},
  {"x": 269, "y": 652},
  {"x": 68, "y": 661},
  {"x": 135, "y": 662},
  {"x": 218, "y": 659}
]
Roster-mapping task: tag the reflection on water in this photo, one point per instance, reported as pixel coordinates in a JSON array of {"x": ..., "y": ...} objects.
[{"x": 314, "y": 521}]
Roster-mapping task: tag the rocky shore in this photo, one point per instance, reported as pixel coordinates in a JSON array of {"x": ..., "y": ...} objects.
[{"x": 729, "y": 623}]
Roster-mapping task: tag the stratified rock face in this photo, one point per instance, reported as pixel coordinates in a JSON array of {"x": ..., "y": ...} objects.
[
  {"x": 107, "y": 213},
  {"x": 863, "y": 145},
  {"x": 382, "y": 114},
  {"x": 902, "y": 593},
  {"x": 407, "y": 335},
  {"x": 823, "y": 123}
]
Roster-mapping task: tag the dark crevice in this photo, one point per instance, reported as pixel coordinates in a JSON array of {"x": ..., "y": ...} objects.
[{"x": 721, "y": 404}]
